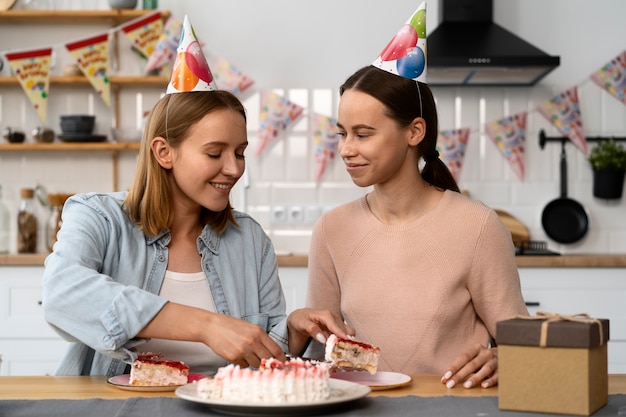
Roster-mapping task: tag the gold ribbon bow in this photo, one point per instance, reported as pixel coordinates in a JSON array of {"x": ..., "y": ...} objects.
[{"x": 551, "y": 318}]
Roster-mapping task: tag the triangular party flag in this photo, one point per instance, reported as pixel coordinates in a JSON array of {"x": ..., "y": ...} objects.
[
  {"x": 277, "y": 113},
  {"x": 92, "y": 57},
  {"x": 326, "y": 139},
  {"x": 165, "y": 50},
  {"x": 144, "y": 33},
  {"x": 509, "y": 135},
  {"x": 230, "y": 78},
  {"x": 452, "y": 144},
  {"x": 612, "y": 77},
  {"x": 405, "y": 54},
  {"x": 32, "y": 69},
  {"x": 563, "y": 111},
  {"x": 191, "y": 71}
]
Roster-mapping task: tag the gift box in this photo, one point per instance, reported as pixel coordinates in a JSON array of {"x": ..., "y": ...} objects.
[{"x": 551, "y": 363}]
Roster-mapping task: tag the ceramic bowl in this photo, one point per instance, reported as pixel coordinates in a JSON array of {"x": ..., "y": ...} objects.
[{"x": 77, "y": 123}]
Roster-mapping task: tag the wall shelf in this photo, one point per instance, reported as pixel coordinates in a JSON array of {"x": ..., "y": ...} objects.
[
  {"x": 80, "y": 81},
  {"x": 66, "y": 146},
  {"x": 110, "y": 17}
]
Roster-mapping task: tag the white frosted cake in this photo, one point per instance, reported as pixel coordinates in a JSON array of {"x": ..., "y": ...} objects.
[
  {"x": 152, "y": 369},
  {"x": 347, "y": 354},
  {"x": 275, "y": 382}
]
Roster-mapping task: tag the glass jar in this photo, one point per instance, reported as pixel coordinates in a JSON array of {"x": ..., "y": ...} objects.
[
  {"x": 4, "y": 225},
  {"x": 27, "y": 222},
  {"x": 54, "y": 222}
]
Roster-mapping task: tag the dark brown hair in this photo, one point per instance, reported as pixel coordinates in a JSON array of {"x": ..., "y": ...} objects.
[
  {"x": 149, "y": 200},
  {"x": 402, "y": 101}
]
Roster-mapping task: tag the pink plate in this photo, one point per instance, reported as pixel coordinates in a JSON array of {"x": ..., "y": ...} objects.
[
  {"x": 123, "y": 382},
  {"x": 379, "y": 381}
]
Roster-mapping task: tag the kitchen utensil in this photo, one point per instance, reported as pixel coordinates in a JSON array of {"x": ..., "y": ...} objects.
[
  {"x": 565, "y": 220},
  {"x": 519, "y": 232}
]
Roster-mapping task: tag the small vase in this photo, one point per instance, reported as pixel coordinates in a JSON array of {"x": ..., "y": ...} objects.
[
  {"x": 608, "y": 184},
  {"x": 123, "y": 4}
]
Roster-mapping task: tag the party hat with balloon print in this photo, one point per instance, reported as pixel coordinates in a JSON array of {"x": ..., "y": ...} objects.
[
  {"x": 191, "y": 71},
  {"x": 405, "y": 54}
]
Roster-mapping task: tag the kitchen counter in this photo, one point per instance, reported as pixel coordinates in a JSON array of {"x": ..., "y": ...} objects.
[
  {"x": 563, "y": 261},
  {"x": 81, "y": 387}
]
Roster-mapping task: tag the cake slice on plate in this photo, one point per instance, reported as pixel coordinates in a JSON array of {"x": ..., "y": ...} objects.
[
  {"x": 351, "y": 355},
  {"x": 153, "y": 370}
]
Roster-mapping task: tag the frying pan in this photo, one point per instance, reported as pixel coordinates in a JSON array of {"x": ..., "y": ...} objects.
[{"x": 563, "y": 219}]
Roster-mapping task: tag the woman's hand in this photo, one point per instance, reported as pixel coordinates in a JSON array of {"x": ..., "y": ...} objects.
[
  {"x": 477, "y": 366},
  {"x": 318, "y": 324}
]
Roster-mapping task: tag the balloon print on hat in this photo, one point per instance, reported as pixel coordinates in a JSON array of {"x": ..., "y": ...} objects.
[
  {"x": 405, "y": 54},
  {"x": 191, "y": 71}
]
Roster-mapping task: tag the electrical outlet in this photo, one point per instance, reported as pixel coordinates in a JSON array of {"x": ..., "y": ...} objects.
[
  {"x": 278, "y": 215},
  {"x": 295, "y": 215},
  {"x": 311, "y": 214}
]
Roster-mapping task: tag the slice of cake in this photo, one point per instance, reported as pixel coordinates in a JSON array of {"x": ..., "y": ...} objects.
[
  {"x": 351, "y": 355},
  {"x": 153, "y": 370},
  {"x": 295, "y": 381}
]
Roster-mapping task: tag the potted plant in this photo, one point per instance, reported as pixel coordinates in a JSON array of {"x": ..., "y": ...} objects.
[{"x": 608, "y": 161}]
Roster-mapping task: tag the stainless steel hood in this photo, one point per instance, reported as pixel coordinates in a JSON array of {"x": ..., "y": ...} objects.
[{"x": 468, "y": 48}]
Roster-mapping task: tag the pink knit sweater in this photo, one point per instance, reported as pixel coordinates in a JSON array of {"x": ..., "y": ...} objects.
[{"x": 422, "y": 292}]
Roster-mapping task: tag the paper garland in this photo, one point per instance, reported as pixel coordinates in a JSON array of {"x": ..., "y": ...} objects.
[
  {"x": 612, "y": 77},
  {"x": 509, "y": 135},
  {"x": 563, "y": 111},
  {"x": 144, "y": 33},
  {"x": 326, "y": 139},
  {"x": 165, "y": 50},
  {"x": 451, "y": 146},
  {"x": 92, "y": 57},
  {"x": 32, "y": 69},
  {"x": 277, "y": 113},
  {"x": 230, "y": 78}
]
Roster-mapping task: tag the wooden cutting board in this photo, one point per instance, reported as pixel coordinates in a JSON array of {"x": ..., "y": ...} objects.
[{"x": 519, "y": 232}]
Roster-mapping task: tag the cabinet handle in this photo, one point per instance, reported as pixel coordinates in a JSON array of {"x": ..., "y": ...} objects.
[{"x": 532, "y": 303}]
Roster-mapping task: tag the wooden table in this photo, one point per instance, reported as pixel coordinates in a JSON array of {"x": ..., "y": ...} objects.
[{"x": 82, "y": 387}]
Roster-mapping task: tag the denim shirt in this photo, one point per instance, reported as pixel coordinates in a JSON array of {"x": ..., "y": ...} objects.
[{"x": 101, "y": 282}]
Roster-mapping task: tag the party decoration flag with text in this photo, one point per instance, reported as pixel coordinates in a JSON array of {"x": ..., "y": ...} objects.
[
  {"x": 612, "y": 77},
  {"x": 32, "y": 69},
  {"x": 92, "y": 57},
  {"x": 452, "y": 144},
  {"x": 509, "y": 135},
  {"x": 563, "y": 111},
  {"x": 230, "y": 78},
  {"x": 145, "y": 32},
  {"x": 277, "y": 113},
  {"x": 326, "y": 139},
  {"x": 405, "y": 54},
  {"x": 165, "y": 50},
  {"x": 191, "y": 70}
]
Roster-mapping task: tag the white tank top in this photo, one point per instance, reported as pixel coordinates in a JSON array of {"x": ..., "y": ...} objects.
[{"x": 192, "y": 290}]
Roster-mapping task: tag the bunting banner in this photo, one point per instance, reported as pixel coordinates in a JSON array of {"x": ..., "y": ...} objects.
[
  {"x": 32, "y": 69},
  {"x": 230, "y": 78},
  {"x": 276, "y": 114},
  {"x": 144, "y": 33},
  {"x": 563, "y": 111},
  {"x": 612, "y": 77},
  {"x": 164, "y": 52},
  {"x": 92, "y": 57},
  {"x": 451, "y": 146},
  {"x": 509, "y": 135},
  {"x": 325, "y": 136}
]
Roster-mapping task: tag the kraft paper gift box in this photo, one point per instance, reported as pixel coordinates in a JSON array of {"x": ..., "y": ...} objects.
[{"x": 553, "y": 364}]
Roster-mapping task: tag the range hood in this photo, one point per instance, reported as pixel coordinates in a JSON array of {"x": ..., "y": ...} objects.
[{"x": 469, "y": 49}]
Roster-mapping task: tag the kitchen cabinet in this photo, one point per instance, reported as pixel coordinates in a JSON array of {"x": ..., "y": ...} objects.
[
  {"x": 27, "y": 344},
  {"x": 118, "y": 82}
]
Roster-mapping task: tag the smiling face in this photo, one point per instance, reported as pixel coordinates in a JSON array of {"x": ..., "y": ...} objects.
[
  {"x": 373, "y": 146},
  {"x": 209, "y": 161}
]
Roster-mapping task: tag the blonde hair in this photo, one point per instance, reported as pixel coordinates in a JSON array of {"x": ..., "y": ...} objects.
[{"x": 149, "y": 200}]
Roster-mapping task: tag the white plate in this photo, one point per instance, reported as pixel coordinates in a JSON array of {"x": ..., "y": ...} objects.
[
  {"x": 123, "y": 382},
  {"x": 340, "y": 392},
  {"x": 379, "y": 381}
]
